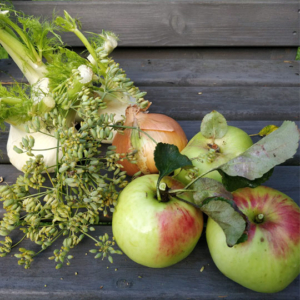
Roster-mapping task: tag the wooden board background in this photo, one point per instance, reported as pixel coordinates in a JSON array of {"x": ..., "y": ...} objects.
[{"x": 145, "y": 23}]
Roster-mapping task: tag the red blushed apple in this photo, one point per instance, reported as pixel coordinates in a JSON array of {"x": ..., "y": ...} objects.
[
  {"x": 270, "y": 259},
  {"x": 152, "y": 233}
]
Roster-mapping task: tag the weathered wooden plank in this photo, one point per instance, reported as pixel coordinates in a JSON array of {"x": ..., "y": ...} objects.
[
  {"x": 128, "y": 280},
  {"x": 9, "y": 174},
  {"x": 195, "y": 72},
  {"x": 3, "y": 141},
  {"x": 214, "y": 53},
  {"x": 236, "y": 103},
  {"x": 182, "y": 23},
  {"x": 190, "y": 128},
  {"x": 189, "y": 72},
  {"x": 124, "y": 279}
]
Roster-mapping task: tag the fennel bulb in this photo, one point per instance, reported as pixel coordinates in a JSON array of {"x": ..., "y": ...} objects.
[{"x": 42, "y": 142}]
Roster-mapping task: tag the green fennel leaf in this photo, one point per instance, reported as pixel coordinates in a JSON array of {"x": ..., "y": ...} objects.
[
  {"x": 98, "y": 40},
  {"x": 62, "y": 64},
  {"x": 38, "y": 34},
  {"x": 68, "y": 23},
  {"x": 3, "y": 53},
  {"x": 15, "y": 104}
]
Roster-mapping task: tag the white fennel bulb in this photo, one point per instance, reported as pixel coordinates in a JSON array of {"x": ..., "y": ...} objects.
[{"x": 42, "y": 141}]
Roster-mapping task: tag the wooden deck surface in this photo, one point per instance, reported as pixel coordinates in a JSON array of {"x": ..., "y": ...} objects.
[
  {"x": 144, "y": 23},
  {"x": 251, "y": 87}
]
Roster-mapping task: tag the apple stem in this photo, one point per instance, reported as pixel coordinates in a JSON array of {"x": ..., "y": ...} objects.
[
  {"x": 180, "y": 191},
  {"x": 162, "y": 192},
  {"x": 158, "y": 194},
  {"x": 259, "y": 218},
  {"x": 162, "y": 186}
]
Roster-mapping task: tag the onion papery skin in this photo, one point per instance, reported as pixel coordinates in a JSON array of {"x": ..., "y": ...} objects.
[{"x": 160, "y": 127}]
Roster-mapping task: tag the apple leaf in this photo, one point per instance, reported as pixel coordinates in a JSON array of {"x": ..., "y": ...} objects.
[
  {"x": 267, "y": 130},
  {"x": 207, "y": 188},
  {"x": 226, "y": 213},
  {"x": 233, "y": 183},
  {"x": 215, "y": 201},
  {"x": 214, "y": 125},
  {"x": 168, "y": 158},
  {"x": 264, "y": 155}
]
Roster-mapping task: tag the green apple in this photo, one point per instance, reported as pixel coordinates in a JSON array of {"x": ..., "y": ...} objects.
[
  {"x": 270, "y": 259},
  {"x": 206, "y": 153},
  {"x": 153, "y": 233}
]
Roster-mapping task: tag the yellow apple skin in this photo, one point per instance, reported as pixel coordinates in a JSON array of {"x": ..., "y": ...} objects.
[
  {"x": 270, "y": 259},
  {"x": 152, "y": 233}
]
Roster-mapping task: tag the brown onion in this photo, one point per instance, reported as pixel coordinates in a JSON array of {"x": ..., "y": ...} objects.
[{"x": 160, "y": 127}]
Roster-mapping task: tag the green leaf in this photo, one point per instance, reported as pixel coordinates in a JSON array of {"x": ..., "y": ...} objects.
[
  {"x": 225, "y": 212},
  {"x": 298, "y": 54},
  {"x": 267, "y": 130},
  {"x": 263, "y": 156},
  {"x": 63, "y": 62},
  {"x": 233, "y": 183},
  {"x": 214, "y": 125},
  {"x": 168, "y": 158},
  {"x": 42, "y": 34},
  {"x": 208, "y": 188},
  {"x": 68, "y": 23},
  {"x": 215, "y": 201},
  {"x": 3, "y": 53}
]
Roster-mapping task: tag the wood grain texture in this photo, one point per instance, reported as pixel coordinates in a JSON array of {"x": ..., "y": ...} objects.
[
  {"x": 212, "y": 53},
  {"x": 235, "y": 103},
  {"x": 182, "y": 23},
  {"x": 3, "y": 141},
  {"x": 189, "y": 72},
  {"x": 124, "y": 279},
  {"x": 128, "y": 280},
  {"x": 194, "y": 72}
]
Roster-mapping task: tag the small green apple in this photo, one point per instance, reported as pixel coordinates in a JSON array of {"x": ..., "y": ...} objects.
[
  {"x": 152, "y": 233},
  {"x": 206, "y": 153},
  {"x": 270, "y": 259}
]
